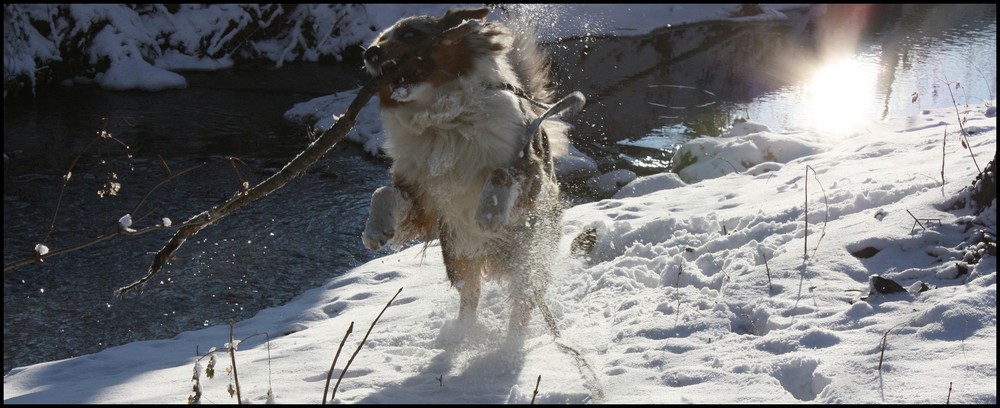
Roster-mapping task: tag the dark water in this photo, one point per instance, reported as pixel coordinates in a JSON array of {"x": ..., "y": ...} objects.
[
  {"x": 229, "y": 123},
  {"x": 646, "y": 95}
]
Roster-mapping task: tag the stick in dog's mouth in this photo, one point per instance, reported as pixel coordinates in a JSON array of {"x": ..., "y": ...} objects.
[
  {"x": 385, "y": 66},
  {"x": 400, "y": 86},
  {"x": 410, "y": 69}
]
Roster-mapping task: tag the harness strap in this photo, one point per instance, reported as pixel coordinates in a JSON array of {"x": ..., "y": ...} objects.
[
  {"x": 506, "y": 86},
  {"x": 534, "y": 137},
  {"x": 568, "y": 105}
]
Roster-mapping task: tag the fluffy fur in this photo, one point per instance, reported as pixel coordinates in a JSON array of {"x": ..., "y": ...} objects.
[{"x": 456, "y": 132}]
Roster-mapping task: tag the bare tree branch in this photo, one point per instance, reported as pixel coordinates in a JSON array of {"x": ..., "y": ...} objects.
[
  {"x": 93, "y": 241},
  {"x": 39, "y": 258}
]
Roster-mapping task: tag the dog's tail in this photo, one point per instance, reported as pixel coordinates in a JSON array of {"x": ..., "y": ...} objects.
[
  {"x": 532, "y": 65},
  {"x": 530, "y": 62}
]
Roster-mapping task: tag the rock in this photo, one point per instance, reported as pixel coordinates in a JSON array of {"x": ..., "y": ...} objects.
[{"x": 884, "y": 286}]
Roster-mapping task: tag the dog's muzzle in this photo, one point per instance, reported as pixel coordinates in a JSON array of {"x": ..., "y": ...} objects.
[
  {"x": 373, "y": 54},
  {"x": 376, "y": 59}
]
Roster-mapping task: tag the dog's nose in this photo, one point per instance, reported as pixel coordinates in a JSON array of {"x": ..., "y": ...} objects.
[{"x": 374, "y": 54}]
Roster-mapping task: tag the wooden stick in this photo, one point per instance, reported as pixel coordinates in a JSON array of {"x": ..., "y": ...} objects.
[
  {"x": 539, "y": 381},
  {"x": 232, "y": 357}
]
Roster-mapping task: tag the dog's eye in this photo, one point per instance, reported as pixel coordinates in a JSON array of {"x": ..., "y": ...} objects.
[{"x": 410, "y": 35}]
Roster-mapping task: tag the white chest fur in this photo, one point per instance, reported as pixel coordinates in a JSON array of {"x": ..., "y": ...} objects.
[{"x": 447, "y": 144}]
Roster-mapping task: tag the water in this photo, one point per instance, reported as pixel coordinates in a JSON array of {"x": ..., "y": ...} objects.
[
  {"x": 953, "y": 44},
  {"x": 646, "y": 95},
  {"x": 230, "y": 123},
  {"x": 650, "y": 93}
]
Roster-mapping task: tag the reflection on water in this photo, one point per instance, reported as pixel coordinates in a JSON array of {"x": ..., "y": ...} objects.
[
  {"x": 914, "y": 53},
  {"x": 678, "y": 76},
  {"x": 645, "y": 94},
  {"x": 834, "y": 96}
]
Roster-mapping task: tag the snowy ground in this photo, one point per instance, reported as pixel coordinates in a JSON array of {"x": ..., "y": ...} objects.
[
  {"x": 697, "y": 293},
  {"x": 698, "y": 288}
]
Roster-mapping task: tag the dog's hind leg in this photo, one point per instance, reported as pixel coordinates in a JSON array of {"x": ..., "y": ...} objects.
[
  {"x": 386, "y": 210},
  {"x": 529, "y": 284},
  {"x": 530, "y": 259},
  {"x": 523, "y": 301}
]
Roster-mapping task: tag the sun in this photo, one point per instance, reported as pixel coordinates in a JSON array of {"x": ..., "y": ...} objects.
[{"x": 840, "y": 96}]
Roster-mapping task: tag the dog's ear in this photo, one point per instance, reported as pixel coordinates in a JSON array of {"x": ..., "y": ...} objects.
[{"x": 457, "y": 15}]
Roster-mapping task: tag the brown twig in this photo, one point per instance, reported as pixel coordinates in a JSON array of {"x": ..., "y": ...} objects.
[
  {"x": 100, "y": 238},
  {"x": 231, "y": 349},
  {"x": 805, "y": 240},
  {"x": 344, "y": 371},
  {"x": 961, "y": 124},
  {"x": 195, "y": 397},
  {"x": 297, "y": 165},
  {"x": 170, "y": 177},
  {"x": 329, "y": 374},
  {"x": 232, "y": 357},
  {"x": 948, "y": 401},
  {"x": 882, "y": 344},
  {"x": 766, "y": 269},
  {"x": 539, "y": 381},
  {"x": 805, "y": 252},
  {"x": 62, "y": 190},
  {"x": 677, "y": 292},
  {"x": 944, "y": 142},
  {"x": 244, "y": 183},
  {"x": 885, "y": 343},
  {"x": 38, "y": 258},
  {"x": 69, "y": 174},
  {"x": 915, "y": 220},
  {"x": 268, "y": 338},
  {"x": 166, "y": 167}
]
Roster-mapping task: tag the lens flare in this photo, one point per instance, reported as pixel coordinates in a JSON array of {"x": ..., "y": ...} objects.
[{"x": 840, "y": 96}]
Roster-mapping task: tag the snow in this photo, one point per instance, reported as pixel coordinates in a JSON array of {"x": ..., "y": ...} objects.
[
  {"x": 125, "y": 221},
  {"x": 609, "y": 183},
  {"x": 649, "y": 184},
  {"x": 702, "y": 287},
  {"x": 740, "y": 149}
]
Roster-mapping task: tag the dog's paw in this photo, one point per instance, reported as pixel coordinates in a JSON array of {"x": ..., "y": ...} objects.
[
  {"x": 375, "y": 237},
  {"x": 382, "y": 214},
  {"x": 496, "y": 201},
  {"x": 491, "y": 215}
]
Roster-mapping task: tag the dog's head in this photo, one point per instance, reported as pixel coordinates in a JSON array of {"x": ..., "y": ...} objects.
[{"x": 445, "y": 61}]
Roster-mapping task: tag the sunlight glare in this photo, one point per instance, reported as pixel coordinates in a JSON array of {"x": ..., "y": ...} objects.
[{"x": 840, "y": 95}]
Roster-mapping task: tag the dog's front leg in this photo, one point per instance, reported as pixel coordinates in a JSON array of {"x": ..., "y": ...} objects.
[
  {"x": 465, "y": 274},
  {"x": 386, "y": 210},
  {"x": 498, "y": 198}
]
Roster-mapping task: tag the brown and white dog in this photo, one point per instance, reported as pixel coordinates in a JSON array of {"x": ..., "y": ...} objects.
[{"x": 465, "y": 169}]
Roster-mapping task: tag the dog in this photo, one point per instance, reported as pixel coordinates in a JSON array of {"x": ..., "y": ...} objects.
[{"x": 469, "y": 167}]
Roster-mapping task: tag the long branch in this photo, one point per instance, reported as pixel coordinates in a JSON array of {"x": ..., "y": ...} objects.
[
  {"x": 39, "y": 258},
  {"x": 93, "y": 241},
  {"x": 297, "y": 165}
]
